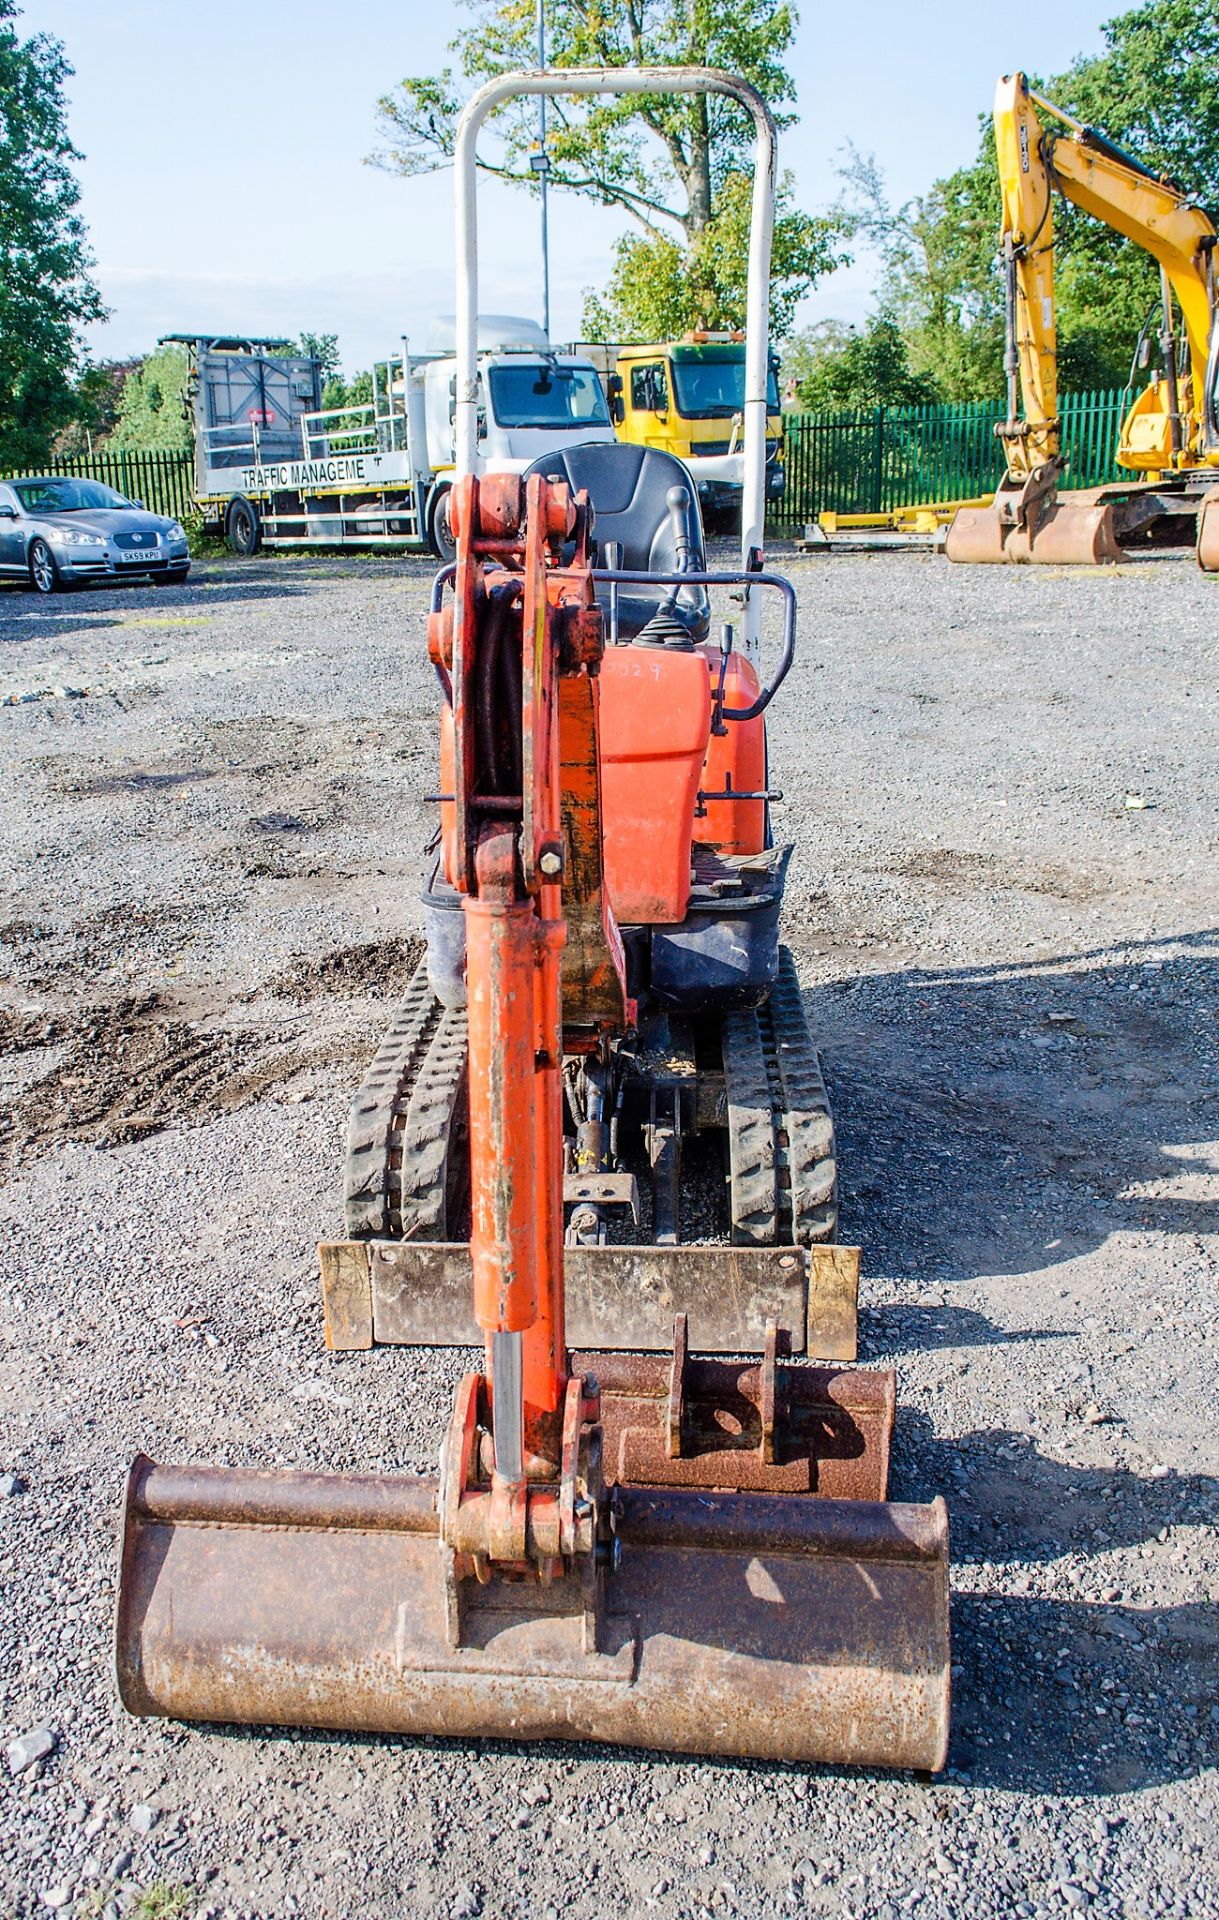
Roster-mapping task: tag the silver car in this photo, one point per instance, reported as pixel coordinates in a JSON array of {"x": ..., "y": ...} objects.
[{"x": 58, "y": 532}]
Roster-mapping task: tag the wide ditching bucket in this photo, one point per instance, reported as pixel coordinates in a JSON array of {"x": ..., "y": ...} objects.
[
  {"x": 1067, "y": 535},
  {"x": 768, "y": 1626}
]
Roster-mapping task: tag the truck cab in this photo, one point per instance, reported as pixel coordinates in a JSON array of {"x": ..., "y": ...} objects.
[
  {"x": 532, "y": 399},
  {"x": 687, "y": 398}
]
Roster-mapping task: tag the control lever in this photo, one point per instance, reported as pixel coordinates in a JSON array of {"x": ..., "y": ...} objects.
[
  {"x": 613, "y": 560},
  {"x": 678, "y": 502}
]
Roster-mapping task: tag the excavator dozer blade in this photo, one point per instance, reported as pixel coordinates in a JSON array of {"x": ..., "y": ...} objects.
[
  {"x": 754, "y": 1625},
  {"x": 1208, "y": 533},
  {"x": 1067, "y": 536}
]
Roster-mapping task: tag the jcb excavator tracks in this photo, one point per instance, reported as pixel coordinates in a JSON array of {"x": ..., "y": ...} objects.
[
  {"x": 783, "y": 1173},
  {"x": 401, "y": 1179}
]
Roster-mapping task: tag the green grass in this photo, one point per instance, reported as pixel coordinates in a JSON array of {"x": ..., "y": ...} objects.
[{"x": 163, "y": 1900}]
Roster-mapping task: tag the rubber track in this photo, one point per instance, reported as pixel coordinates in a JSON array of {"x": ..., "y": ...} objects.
[
  {"x": 397, "y": 1174},
  {"x": 784, "y": 1176}
]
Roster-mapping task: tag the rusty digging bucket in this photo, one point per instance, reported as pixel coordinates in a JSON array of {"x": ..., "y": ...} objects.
[
  {"x": 1068, "y": 535},
  {"x": 1208, "y": 533},
  {"x": 777, "y": 1625}
]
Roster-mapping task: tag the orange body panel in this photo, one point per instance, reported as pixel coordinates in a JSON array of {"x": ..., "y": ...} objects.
[
  {"x": 736, "y": 758},
  {"x": 655, "y": 724}
]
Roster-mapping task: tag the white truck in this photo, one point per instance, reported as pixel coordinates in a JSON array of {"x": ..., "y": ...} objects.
[{"x": 273, "y": 467}]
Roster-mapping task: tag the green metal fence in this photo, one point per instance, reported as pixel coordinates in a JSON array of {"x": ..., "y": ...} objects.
[
  {"x": 857, "y": 462},
  {"x": 163, "y": 478},
  {"x": 1091, "y": 423},
  {"x": 886, "y": 457}
]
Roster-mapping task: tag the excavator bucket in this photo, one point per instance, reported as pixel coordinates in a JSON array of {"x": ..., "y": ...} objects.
[
  {"x": 766, "y": 1626},
  {"x": 1067, "y": 535},
  {"x": 1208, "y": 533}
]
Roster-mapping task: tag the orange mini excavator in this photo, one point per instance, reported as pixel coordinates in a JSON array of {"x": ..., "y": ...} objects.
[{"x": 688, "y": 1549}]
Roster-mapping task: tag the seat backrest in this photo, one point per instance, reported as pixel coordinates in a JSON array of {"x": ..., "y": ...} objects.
[{"x": 629, "y": 487}]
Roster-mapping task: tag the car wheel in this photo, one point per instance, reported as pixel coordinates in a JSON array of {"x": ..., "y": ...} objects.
[
  {"x": 439, "y": 532},
  {"x": 44, "y": 574},
  {"x": 244, "y": 529}
]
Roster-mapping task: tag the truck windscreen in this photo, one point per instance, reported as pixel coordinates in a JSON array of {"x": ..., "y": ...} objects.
[
  {"x": 715, "y": 389},
  {"x": 539, "y": 395}
]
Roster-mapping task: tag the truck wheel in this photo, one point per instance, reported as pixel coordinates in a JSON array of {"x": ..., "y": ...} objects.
[
  {"x": 243, "y": 529},
  {"x": 439, "y": 532}
]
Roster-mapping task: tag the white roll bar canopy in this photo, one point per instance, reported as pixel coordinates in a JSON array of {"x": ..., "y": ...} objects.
[{"x": 761, "y": 228}]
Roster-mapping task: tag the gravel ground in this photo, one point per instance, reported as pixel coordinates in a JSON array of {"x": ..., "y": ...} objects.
[{"x": 1001, "y": 786}]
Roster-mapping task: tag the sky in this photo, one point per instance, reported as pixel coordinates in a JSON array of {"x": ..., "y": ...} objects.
[{"x": 224, "y": 187}]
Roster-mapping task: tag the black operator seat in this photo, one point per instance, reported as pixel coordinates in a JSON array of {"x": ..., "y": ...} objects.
[{"x": 631, "y": 488}]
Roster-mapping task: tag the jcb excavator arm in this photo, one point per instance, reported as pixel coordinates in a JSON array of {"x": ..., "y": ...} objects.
[
  {"x": 1172, "y": 424},
  {"x": 1095, "y": 175}
]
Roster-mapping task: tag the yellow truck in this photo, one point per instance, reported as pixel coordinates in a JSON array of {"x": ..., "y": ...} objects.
[{"x": 686, "y": 396}]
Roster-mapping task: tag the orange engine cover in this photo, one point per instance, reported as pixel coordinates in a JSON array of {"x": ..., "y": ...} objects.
[
  {"x": 655, "y": 725},
  {"x": 737, "y": 759}
]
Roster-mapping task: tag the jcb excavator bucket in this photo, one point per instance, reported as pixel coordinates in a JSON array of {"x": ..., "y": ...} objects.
[
  {"x": 768, "y": 1626},
  {"x": 1208, "y": 533},
  {"x": 1067, "y": 535}
]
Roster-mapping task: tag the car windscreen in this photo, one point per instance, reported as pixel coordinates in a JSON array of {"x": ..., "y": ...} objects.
[
  {"x": 715, "y": 389},
  {"x": 61, "y": 495},
  {"x": 537, "y": 395}
]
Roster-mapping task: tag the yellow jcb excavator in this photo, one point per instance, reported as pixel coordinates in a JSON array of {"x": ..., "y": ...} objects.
[{"x": 1170, "y": 436}]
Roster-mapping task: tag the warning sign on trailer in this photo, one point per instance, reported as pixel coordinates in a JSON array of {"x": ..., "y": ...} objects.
[
  {"x": 317, "y": 476},
  {"x": 292, "y": 475}
]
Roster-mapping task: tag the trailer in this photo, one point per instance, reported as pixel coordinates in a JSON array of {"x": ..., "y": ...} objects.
[{"x": 274, "y": 467}]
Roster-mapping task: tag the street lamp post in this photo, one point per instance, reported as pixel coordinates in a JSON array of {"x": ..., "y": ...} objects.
[{"x": 540, "y": 163}]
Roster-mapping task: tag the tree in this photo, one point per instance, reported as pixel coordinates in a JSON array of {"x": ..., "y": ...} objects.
[
  {"x": 1153, "y": 91},
  {"x": 939, "y": 285},
  {"x": 339, "y": 392},
  {"x": 679, "y": 166},
  {"x": 324, "y": 348},
  {"x": 836, "y": 366},
  {"x": 46, "y": 295},
  {"x": 153, "y": 410},
  {"x": 96, "y": 400},
  {"x": 658, "y": 290}
]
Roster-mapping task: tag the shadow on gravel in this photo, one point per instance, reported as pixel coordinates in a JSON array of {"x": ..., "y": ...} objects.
[
  {"x": 1066, "y": 1694},
  {"x": 1063, "y": 1696},
  {"x": 124, "y": 601},
  {"x": 1010, "y": 1502},
  {"x": 18, "y": 628},
  {"x": 889, "y": 1328},
  {"x": 1002, "y": 1119}
]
